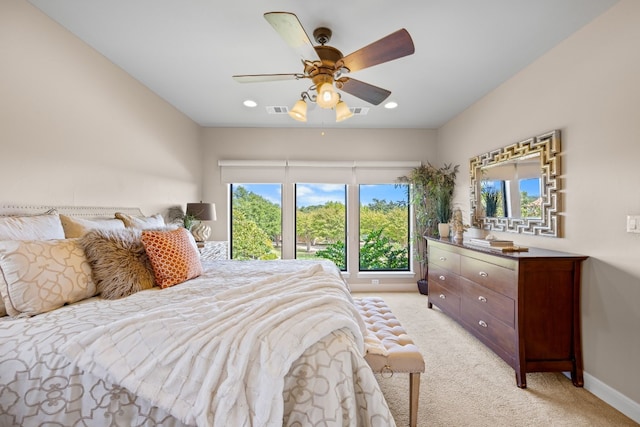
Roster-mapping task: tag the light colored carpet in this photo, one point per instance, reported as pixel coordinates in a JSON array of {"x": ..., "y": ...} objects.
[{"x": 465, "y": 384}]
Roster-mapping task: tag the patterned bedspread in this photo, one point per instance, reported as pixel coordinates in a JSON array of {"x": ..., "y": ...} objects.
[{"x": 329, "y": 384}]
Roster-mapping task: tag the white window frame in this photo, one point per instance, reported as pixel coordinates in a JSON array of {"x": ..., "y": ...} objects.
[{"x": 290, "y": 172}]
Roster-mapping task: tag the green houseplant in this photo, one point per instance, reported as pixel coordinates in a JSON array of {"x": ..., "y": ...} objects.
[
  {"x": 443, "y": 209},
  {"x": 425, "y": 182}
]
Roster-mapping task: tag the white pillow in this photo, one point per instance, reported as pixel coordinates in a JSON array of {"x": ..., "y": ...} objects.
[
  {"x": 34, "y": 227},
  {"x": 40, "y": 276},
  {"x": 78, "y": 227},
  {"x": 141, "y": 222}
]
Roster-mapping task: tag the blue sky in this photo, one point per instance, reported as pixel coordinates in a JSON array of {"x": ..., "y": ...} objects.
[{"x": 319, "y": 194}]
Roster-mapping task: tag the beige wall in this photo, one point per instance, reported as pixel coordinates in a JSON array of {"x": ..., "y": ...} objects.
[
  {"x": 77, "y": 130},
  {"x": 589, "y": 88}
]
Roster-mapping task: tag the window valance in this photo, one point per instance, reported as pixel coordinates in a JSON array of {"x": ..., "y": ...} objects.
[{"x": 313, "y": 171}]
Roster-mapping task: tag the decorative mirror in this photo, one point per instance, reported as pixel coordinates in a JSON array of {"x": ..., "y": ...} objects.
[{"x": 515, "y": 188}]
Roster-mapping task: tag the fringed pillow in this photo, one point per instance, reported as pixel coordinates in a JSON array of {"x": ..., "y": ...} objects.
[{"x": 119, "y": 264}]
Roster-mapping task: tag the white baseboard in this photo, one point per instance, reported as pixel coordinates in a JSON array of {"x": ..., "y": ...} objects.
[{"x": 613, "y": 397}]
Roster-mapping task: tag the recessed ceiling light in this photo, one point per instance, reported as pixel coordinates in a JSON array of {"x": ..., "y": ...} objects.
[
  {"x": 250, "y": 103},
  {"x": 391, "y": 104}
]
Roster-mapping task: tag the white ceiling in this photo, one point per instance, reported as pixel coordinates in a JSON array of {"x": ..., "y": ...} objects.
[{"x": 187, "y": 50}]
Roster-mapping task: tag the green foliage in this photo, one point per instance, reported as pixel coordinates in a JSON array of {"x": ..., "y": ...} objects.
[
  {"x": 491, "y": 199},
  {"x": 378, "y": 252},
  {"x": 394, "y": 221},
  {"x": 189, "y": 221},
  {"x": 530, "y": 206},
  {"x": 335, "y": 252},
  {"x": 427, "y": 182},
  {"x": 249, "y": 241},
  {"x": 264, "y": 213},
  {"x": 443, "y": 209}
]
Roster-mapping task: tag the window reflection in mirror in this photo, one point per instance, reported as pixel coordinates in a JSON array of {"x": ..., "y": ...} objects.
[
  {"x": 515, "y": 188},
  {"x": 511, "y": 198}
]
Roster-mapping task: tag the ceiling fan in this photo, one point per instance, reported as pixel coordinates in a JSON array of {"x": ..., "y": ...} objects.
[{"x": 325, "y": 65}]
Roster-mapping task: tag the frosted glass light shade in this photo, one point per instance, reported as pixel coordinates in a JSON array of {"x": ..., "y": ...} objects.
[
  {"x": 327, "y": 95},
  {"x": 299, "y": 111},
  {"x": 342, "y": 111}
]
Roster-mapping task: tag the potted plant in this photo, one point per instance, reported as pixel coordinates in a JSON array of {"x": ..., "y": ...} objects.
[
  {"x": 443, "y": 210},
  {"x": 491, "y": 198},
  {"x": 425, "y": 181}
]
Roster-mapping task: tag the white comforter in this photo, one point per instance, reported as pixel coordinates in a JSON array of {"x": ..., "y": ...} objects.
[{"x": 221, "y": 360}]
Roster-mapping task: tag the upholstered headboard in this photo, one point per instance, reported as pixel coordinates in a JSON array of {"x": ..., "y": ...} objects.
[{"x": 76, "y": 211}]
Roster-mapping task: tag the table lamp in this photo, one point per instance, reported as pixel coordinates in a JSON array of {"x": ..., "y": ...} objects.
[{"x": 201, "y": 212}]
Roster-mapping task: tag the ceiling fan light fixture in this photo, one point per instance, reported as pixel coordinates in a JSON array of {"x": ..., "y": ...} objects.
[
  {"x": 327, "y": 95},
  {"x": 342, "y": 111},
  {"x": 299, "y": 111}
]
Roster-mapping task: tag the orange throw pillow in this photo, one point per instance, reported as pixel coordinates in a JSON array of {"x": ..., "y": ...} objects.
[{"x": 173, "y": 255}]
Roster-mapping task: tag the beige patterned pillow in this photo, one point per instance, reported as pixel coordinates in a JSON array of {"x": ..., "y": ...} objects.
[
  {"x": 119, "y": 264},
  {"x": 78, "y": 227},
  {"x": 40, "y": 276},
  {"x": 35, "y": 227},
  {"x": 141, "y": 222}
]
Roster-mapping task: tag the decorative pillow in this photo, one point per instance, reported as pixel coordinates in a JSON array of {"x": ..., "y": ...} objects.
[
  {"x": 119, "y": 264},
  {"x": 34, "y": 227},
  {"x": 40, "y": 276},
  {"x": 3, "y": 311},
  {"x": 173, "y": 255},
  {"x": 78, "y": 227},
  {"x": 141, "y": 222}
]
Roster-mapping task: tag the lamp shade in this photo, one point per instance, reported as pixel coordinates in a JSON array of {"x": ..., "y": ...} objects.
[
  {"x": 299, "y": 111},
  {"x": 327, "y": 95},
  {"x": 202, "y": 211},
  {"x": 342, "y": 111}
]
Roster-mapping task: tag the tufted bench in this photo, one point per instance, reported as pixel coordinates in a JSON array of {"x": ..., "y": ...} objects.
[{"x": 390, "y": 349}]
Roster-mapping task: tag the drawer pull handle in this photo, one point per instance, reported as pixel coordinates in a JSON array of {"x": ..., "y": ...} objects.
[
  {"x": 442, "y": 296},
  {"x": 483, "y": 274},
  {"x": 441, "y": 278},
  {"x": 442, "y": 258},
  {"x": 483, "y": 324},
  {"x": 482, "y": 299}
]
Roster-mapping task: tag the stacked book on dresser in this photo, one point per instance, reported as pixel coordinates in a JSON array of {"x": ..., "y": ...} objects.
[{"x": 497, "y": 245}]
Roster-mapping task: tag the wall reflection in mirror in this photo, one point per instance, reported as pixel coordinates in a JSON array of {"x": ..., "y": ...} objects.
[{"x": 515, "y": 188}]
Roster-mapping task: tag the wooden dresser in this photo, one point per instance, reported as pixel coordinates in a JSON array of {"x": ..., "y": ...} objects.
[{"x": 525, "y": 306}]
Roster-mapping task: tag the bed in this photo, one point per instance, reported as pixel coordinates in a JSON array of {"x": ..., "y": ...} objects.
[{"x": 241, "y": 343}]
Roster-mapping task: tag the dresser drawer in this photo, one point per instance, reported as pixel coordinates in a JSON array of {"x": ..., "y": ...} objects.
[
  {"x": 445, "y": 259},
  {"x": 494, "y": 277},
  {"x": 444, "y": 297},
  {"x": 488, "y": 326},
  {"x": 500, "y": 306}
]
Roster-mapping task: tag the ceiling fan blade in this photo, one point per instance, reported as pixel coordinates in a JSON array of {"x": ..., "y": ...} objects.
[
  {"x": 370, "y": 93},
  {"x": 394, "y": 46},
  {"x": 256, "y": 78},
  {"x": 291, "y": 30}
]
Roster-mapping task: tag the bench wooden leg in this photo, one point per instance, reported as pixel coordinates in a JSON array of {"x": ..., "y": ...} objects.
[{"x": 414, "y": 394}]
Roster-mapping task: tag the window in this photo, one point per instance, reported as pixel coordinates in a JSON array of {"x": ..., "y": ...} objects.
[
  {"x": 530, "y": 198},
  {"x": 504, "y": 199},
  {"x": 321, "y": 227},
  {"x": 384, "y": 227},
  {"x": 350, "y": 212},
  {"x": 256, "y": 226}
]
